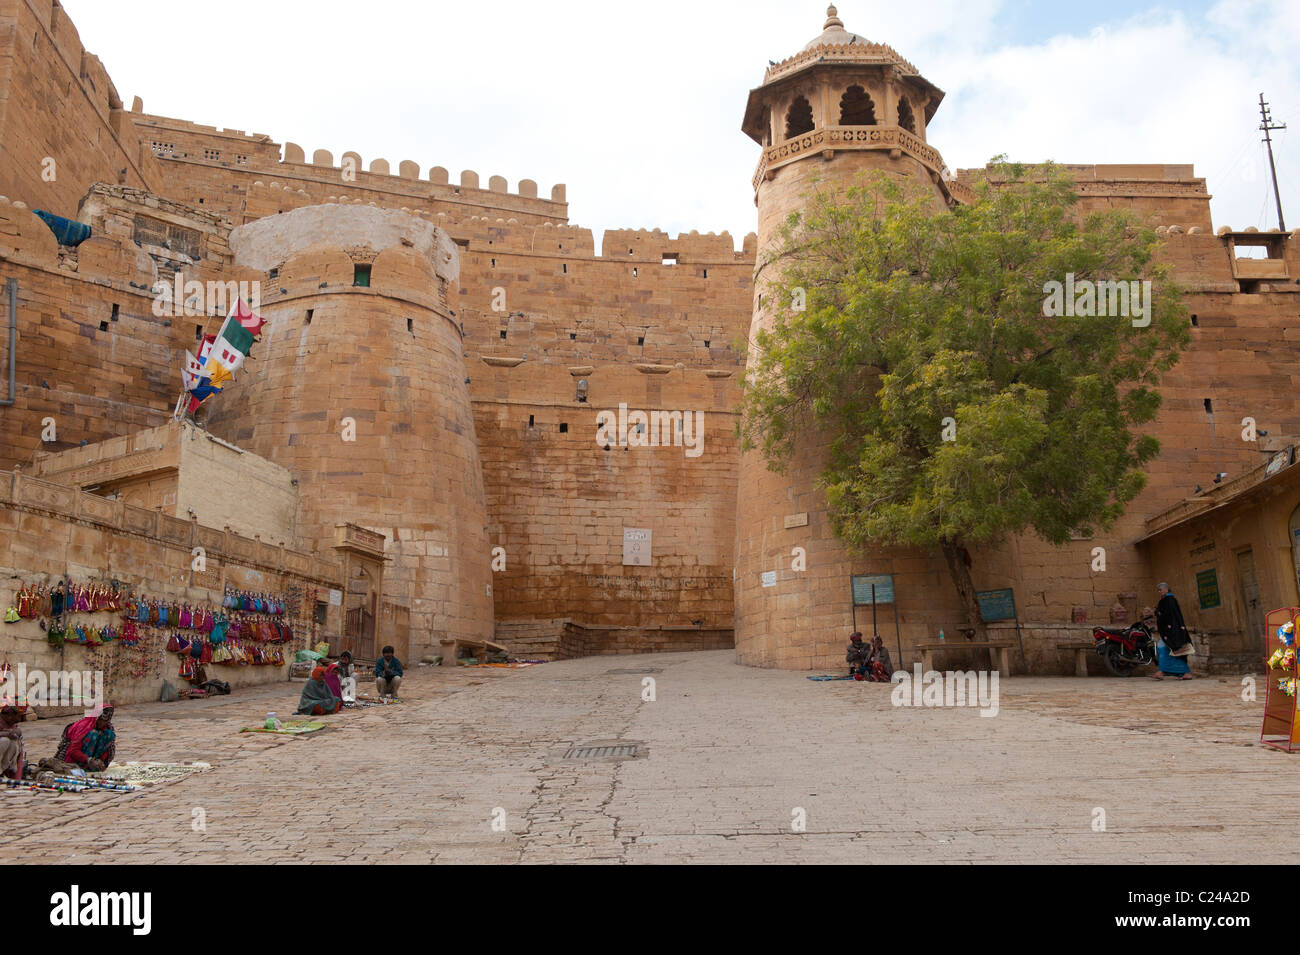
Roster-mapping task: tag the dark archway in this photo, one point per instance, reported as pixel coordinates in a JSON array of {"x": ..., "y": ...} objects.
[
  {"x": 856, "y": 108},
  {"x": 906, "y": 119},
  {"x": 799, "y": 119}
]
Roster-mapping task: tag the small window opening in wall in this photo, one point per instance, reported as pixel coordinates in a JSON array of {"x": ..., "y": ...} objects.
[
  {"x": 706, "y": 343},
  {"x": 310, "y": 313},
  {"x": 634, "y": 271},
  {"x": 200, "y": 202},
  {"x": 573, "y": 336},
  {"x": 494, "y": 263},
  {"x": 361, "y": 276},
  {"x": 503, "y": 334},
  {"x": 564, "y": 267},
  {"x": 114, "y": 315},
  {"x": 629, "y": 251},
  {"x": 103, "y": 326},
  {"x": 564, "y": 427},
  {"x": 198, "y": 332},
  {"x": 273, "y": 274},
  {"x": 530, "y": 421},
  {"x": 706, "y": 273},
  {"x": 1195, "y": 322},
  {"x": 410, "y": 325},
  {"x": 1209, "y": 406},
  {"x": 640, "y": 340},
  {"x": 669, "y": 258}
]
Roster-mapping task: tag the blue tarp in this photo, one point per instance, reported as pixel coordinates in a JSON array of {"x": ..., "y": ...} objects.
[{"x": 67, "y": 231}]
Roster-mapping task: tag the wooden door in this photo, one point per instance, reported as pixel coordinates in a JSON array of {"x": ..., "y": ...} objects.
[{"x": 1253, "y": 610}]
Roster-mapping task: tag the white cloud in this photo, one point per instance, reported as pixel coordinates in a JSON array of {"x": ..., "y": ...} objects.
[{"x": 638, "y": 108}]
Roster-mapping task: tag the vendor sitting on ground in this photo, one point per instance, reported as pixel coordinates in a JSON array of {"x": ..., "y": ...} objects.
[
  {"x": 89, "y": 743},
  {"x": 317, "y": 699},
  {"x": 347, "y": 674},
  {"x": 11, "y": 743},
  {"x": 881, "y": 668},
  {"x": 388, "y": 674},
  {"x": 857, "y": 656}
]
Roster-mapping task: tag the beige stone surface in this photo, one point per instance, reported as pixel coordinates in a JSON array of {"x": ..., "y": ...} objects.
[{"x": 732, "y": 753}]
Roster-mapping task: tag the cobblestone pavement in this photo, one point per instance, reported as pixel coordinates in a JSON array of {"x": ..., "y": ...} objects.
[{"x": 732, "y": 754}]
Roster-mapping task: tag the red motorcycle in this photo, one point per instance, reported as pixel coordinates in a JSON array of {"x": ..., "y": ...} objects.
[{"x": 1123, "y": 648}]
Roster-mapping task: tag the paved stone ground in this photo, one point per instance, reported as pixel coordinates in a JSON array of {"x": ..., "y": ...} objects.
[{"x": 732, "y": 752}]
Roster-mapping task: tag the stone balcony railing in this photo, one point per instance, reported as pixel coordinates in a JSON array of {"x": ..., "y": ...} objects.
[{"x": 839, "y": 138}]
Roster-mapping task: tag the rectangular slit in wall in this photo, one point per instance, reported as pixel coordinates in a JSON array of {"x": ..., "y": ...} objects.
[
  {"x": 310, "y": 313},
  {"x": 114, "y": 315},
  {"x": 564, "y": 427},
  {"x": 410, "y": 325},
  {"x": 1209, "y": 406}
]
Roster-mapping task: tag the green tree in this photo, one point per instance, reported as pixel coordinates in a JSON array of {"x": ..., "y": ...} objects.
[{"x": 953, "y": 411}]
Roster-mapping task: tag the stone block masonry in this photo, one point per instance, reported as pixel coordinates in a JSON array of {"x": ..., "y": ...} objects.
[{"x": 51, "y": 531}]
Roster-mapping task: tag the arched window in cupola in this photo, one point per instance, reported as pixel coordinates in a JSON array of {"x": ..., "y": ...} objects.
[
  {"x": 799, "y": 119},
  {"x": 905, "y": 117},
  {"x": 856, "y": 108}
]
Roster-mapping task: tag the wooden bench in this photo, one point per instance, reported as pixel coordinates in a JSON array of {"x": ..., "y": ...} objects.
[
  {"x": 451, "y": 649},
  {"x": 1081, "y": 651},
  {"x": 1002, "y": 663}
]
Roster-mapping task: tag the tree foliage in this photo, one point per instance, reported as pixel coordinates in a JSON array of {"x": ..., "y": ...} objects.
[{"x": 923, "y": 324}]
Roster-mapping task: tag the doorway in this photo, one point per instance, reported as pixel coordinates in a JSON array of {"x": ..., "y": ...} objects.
[{"x": 1253, "y": 610}]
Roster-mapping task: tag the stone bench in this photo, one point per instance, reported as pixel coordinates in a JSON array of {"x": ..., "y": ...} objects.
[
  {"x": 1002, "y": 663},
  {"x": 1081, "y": 651}
]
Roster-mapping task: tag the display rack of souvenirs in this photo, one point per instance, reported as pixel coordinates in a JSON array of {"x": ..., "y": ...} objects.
[{"x": 1281, "y": 729}]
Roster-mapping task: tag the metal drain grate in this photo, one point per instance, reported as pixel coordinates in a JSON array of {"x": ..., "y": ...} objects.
[{"x": 603, "y": 751}]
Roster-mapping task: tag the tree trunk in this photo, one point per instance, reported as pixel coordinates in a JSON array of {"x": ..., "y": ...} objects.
[{"x": 955, "y": 555}]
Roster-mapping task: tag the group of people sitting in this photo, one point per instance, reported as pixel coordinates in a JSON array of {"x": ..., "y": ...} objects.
[
  {"x": 868, "y": 661},
  {"x": 333, "y": 685},
  {"x": 88, "y": 744}
]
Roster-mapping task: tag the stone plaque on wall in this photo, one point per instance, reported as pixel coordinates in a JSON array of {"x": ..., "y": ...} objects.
[{"x": 636, "y": 547}]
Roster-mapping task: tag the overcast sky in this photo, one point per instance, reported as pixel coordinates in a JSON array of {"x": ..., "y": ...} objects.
[{"x": 637, "y": 107}]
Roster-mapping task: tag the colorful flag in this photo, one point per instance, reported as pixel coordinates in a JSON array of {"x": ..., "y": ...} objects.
[
  {"x": 219, "y": 376},
  {"x": 201, "y": 393},
  {"x": 191, "y": 372},
  {"x": 246, "y": 317},
  {"x": 233, "y": 343}
]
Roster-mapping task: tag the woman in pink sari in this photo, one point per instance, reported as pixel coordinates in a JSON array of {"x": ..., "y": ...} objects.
[
  {"x": 90, "y": 743},
  {"x": 332, "y": 680}
]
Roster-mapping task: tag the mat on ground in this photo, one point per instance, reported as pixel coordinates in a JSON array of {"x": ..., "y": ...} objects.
[{"x": 288, "y": 728}]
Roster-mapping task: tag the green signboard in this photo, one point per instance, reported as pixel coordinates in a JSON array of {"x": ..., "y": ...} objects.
[
  {"x": 1207, "y": 588},
  {"x": 884, "y": 589},
  {"x": 996, "y": 604}
]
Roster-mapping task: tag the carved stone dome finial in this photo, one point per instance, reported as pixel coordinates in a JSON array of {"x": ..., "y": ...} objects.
[{"x": 833, "y": 33}]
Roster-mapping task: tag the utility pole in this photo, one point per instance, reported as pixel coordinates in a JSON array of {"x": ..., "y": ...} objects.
[{"x": 1267, "y": 126}]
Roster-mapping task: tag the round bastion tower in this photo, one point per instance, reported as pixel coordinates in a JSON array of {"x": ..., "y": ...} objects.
[
  {"x": 839, "y": 108},
  {"x": 359, "y": 388}
]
